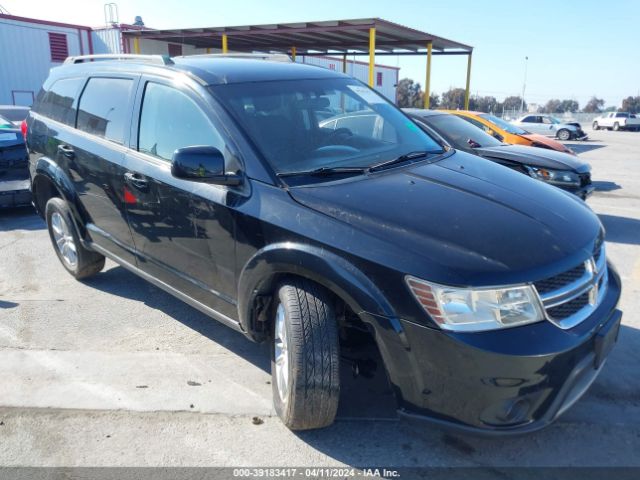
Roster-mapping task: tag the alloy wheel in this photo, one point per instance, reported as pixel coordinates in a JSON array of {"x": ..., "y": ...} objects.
[{"x": 65, "y": 242}]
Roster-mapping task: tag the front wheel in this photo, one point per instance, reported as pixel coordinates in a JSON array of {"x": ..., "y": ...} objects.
[
  {"x": 616, "y": 127},
  {"x": 564, "y": 134},
  {"x": 76, "y": 259},
  {"x": 596, "y": 126},
  {"x": 305, "y": 358}
]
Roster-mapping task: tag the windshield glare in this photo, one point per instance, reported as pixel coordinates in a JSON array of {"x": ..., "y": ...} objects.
[
  {"x": 504, "y": 125},
  {"x": 458, "y": 132},
  {"x": 303, "y": 125}
]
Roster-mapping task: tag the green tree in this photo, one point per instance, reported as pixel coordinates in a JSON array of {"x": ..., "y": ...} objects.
[
  {"x": 409, "y": 94},
  {"x": 595, "y": 105},
  {"x": 453, "y": 99},
  {"x": 484, "y": 104},
  {"x": 513, "y": 103},
  {"x": 569, "y": 106},
  {"x": 552, "y": 106},
  {"x": 631, "y": 105}
]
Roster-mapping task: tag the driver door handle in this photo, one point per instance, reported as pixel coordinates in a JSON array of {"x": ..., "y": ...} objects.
[{"x": 136, "y": 180}]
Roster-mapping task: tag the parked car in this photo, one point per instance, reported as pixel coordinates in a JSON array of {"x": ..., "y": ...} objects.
[
  {"x": 617, "y": 121},
  {"x": 488, "y": 293},
  {"x": 508, "y": 133},
  {"x": 559, "y": 169},
  {"x": 14, "y": 113},
  {"x": 551, "y": 126},
  {"x": 14, "y": 166}
]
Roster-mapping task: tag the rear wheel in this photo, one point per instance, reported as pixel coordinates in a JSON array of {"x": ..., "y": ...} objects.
[
  {"x": 616, "y": 127},
  {"x": 76, "y": 259},
  {"x": 305, "y": 357},
  {"x": 596, "y": 126},
  {"x": 564, "y": 134}
]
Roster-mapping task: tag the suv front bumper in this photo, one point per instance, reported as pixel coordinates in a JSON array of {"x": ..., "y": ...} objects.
[{"x": 506, "y": 381}]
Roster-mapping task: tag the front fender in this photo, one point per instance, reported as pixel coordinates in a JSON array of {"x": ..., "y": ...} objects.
[{"x": 317, "y": 264}]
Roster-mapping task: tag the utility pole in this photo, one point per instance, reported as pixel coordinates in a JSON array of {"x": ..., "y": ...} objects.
[{"x": 524, "y": 84}]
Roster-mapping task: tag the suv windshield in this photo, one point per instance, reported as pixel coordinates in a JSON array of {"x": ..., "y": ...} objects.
[
  {"x": 305, "y": 125},
  {"x": 504, "y": 125},
  {"x": 459, "y": 133}
]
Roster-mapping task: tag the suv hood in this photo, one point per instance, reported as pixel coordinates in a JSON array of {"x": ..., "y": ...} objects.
[
  {"x": 538, "y": 157},
  {"x": 455, "y": 220}
]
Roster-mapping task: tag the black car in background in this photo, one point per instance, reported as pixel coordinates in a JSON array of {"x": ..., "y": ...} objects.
[
  {"x": 14, "y": 166},
  {"x": 488, "y": 293},
  {"x": 556, "y": 168}
]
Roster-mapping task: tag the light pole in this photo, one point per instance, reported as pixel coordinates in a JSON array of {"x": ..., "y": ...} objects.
[{"x": 524, "y": 84}]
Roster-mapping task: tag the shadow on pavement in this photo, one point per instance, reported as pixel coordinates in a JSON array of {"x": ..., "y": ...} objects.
[
  {"x": 585, "y": 147},
  {"x": 6, "y": 304},
  {"x": 621, "y": 229},
  {"x": 361, "y": 396},
  {"x": 22, "y": 218},
  {"x": 605, "y": 186}
]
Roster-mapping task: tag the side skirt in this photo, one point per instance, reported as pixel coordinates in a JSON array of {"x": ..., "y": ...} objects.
[{"x": 229, "y": 322}]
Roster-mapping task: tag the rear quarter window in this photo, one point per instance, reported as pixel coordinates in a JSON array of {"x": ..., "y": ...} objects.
[
  {"x": 59, "y": 101},
  {"x": 105, "y": 108}
]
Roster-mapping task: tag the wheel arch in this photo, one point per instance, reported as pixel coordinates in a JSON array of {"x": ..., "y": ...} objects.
[
  {"x": 269, "y": 265},
  {"x": 50, "y": 180}
]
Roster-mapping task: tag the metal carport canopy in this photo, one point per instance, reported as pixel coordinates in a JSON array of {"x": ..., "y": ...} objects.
[{"x": 364, "y": 36}]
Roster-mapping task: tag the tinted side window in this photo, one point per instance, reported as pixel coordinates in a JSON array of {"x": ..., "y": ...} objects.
[
  {"x": 60, "y": 101},
  {"x": 170, "y": 120},
  {"x": 529, "y": 119},
  {"x": 104, "y": 107}
]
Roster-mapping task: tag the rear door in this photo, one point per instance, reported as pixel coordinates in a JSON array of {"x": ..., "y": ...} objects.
[
  {"x": 183, "y": 230},
  {"x": 96, "y": 156}
]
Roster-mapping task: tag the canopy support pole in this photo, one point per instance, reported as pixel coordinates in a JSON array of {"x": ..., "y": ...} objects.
[
  {"x": 466, "y": 93},
  {"x": 372, "y": 54},
  {"x": 225, "y": 48},
  {"x": 427, "y": 83}
]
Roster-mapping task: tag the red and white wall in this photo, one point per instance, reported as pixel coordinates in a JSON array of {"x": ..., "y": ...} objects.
[
  {"x": 30, "y": 48},
  {"x": 385, "y": 76}
]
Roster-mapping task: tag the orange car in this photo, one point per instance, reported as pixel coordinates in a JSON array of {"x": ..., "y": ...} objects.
[{"x": 507, "y": 133}]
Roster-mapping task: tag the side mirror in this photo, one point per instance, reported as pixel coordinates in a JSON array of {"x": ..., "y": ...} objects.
[{"x": 202, "y": 164}]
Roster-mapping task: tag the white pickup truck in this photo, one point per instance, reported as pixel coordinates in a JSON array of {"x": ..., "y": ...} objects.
[{"x": 617, "y": 121}]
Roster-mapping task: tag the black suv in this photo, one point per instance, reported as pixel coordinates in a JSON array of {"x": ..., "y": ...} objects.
[{"x": 488, "y": 293}]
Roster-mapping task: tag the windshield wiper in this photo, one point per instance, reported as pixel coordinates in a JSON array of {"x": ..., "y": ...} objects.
[
  {"x": 402, "y": 158},
  {"x": 324, "y": 172}
]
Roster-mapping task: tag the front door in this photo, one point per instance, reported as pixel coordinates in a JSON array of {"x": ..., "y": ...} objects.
[{"x": 183, "y": 230}]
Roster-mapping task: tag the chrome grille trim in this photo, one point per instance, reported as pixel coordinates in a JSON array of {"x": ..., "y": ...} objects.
[{"x": 594, "y": 281}]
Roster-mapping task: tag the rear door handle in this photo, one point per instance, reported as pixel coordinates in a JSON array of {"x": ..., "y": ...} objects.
[
  {"x": 66, "y": 150},
  {"x": 136, "y": 180}
]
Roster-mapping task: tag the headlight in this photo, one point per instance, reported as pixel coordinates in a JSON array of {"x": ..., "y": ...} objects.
[
  {"x": 555, "y": 177},
  {"x": 477, "y": 309}
]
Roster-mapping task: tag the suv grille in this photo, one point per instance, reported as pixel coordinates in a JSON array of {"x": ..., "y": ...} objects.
[
  {"x": 565, "y": 278},
  {"x": 572, "y": 296}
]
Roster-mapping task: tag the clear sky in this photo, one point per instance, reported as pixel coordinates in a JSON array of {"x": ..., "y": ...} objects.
[{"x": 576, "y": 48}]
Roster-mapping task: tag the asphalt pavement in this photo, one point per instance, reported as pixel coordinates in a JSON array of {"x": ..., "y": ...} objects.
[{"x": 114, "y": 372}]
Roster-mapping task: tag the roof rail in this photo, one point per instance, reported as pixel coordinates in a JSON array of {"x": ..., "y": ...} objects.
[
  {"x": 274, "y": 57},
  {"x": 156, "y": 59}
]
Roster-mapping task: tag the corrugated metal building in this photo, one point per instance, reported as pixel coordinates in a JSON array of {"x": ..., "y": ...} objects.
[
  {"x": 39, "y": 45},
  {"x": 30, "y": 48}
]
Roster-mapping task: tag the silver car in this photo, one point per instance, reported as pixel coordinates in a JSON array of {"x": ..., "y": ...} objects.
[{"x": 551, "y": 126}]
